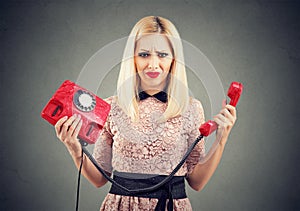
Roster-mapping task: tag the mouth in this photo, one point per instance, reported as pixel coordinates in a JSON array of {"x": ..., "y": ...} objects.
[{"x": 153, "y": 74}]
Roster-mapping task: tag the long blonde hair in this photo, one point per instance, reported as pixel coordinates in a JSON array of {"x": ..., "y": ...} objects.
[{"x": 177, "y": 87}]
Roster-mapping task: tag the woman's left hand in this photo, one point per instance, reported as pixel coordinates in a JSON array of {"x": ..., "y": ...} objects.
[{"x": 225, "y": 120}]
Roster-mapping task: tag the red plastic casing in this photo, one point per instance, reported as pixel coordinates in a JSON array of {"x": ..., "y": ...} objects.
[
  {"x": 61, "y": 104},
  {"x": 234, "y": 93}
]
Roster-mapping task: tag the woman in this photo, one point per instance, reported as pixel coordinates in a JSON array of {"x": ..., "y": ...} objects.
[{"x": 151, "y": 124}]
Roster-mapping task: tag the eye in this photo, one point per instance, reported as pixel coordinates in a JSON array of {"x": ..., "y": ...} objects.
[
  {"x": 144, "y": 54},
  {"x": 162, "y": 55}
]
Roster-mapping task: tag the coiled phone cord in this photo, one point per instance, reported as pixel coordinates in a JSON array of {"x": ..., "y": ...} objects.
[{"x": 134, "y": 191}]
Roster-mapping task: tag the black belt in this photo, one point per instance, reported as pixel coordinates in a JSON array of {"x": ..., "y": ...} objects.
[{"x": 174, "y": 189}]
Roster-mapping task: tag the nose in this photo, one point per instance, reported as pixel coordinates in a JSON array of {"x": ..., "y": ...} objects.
[{"x": 154, "y": 62}]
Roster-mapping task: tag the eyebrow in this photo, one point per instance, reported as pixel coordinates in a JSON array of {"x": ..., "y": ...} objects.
[{"x": 155, "y": 51}]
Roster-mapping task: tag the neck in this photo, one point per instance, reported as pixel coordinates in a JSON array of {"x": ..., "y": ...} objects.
[{"x": 152, "y": 92}]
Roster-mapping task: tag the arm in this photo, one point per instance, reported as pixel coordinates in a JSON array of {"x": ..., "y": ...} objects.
[
  {"x": 67, "y": 131},
  {"x": 89, "y": 171},
  {"x": 202, "y": 172}
]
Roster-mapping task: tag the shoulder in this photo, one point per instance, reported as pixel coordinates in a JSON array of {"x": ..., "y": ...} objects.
[
  {"x": 114, "y": 105},
  {"x": 195, "y": 110},
  {"x": 111, "y": 100},
  {"x": 195, "y": 104}
]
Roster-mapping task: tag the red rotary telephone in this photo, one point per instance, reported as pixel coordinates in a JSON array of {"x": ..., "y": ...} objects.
[{"x": 72, "y": 99}]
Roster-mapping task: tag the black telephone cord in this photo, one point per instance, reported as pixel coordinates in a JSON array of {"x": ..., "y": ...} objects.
[{"x": 134, "y": 191}]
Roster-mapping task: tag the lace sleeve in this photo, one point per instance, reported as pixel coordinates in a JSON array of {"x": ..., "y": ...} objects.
[
  {"x": 103, "y": 146},
  {"x": 197, "y": 118}
]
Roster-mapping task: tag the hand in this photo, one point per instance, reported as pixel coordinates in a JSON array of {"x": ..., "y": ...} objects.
[
  {"x": 67, "y": 131},
  {"x": 225, "y": 120}
]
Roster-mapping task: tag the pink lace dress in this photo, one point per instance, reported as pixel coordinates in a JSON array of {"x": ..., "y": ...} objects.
[{"x": 147, "y": 147}]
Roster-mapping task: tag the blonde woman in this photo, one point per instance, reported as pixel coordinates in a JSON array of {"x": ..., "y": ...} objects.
[{"x": 151, "y": 124}]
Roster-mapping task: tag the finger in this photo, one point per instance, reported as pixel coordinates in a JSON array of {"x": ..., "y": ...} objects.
[
  {"x": 74, "y": 125},
  {"x": 59, "y": 123},
  {"x": 66, "y": 125},
  {"x": 77, "y": 129},
  {"x": 231, "y": 109},
  {"x": 221, "y": 119},
  {"x": 228, "y": 115}
]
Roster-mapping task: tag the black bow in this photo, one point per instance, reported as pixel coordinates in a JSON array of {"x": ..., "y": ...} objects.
[{"x": 161, "y": 96}]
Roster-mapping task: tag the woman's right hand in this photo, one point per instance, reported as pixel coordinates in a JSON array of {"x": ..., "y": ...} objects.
[{"x": 67, "y": 131}]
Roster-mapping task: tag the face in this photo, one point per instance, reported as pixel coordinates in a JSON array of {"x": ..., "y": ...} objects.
[{"x": 153, "y": 59}]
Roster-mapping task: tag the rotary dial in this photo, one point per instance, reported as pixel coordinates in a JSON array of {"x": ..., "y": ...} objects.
[{"x": 84, "y": 101}]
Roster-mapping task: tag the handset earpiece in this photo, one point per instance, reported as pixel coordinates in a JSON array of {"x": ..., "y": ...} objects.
[{"x": 234, "y": 92}]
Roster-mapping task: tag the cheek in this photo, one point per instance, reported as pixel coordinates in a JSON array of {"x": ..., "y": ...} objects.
[
  {"x": 140, "y": 65},
  {"x": 166, "y": 65}
]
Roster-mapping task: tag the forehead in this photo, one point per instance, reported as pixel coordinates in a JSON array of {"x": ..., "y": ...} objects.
[{"x": 153, "y": 42}]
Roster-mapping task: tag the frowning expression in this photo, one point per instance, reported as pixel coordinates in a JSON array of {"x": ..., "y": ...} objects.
[{"x": 153, "y": 60}]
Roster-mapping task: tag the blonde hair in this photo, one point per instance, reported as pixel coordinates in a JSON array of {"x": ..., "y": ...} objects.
[{"x": 177, "y": 87}]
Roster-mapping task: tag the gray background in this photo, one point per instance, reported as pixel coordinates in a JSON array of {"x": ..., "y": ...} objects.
[{"x": 44, "y": 43}]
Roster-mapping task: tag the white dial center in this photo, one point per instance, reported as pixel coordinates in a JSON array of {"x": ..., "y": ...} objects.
[{"x": 85, "y": 100}]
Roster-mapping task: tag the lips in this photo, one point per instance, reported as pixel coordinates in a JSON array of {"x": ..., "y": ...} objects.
[{"x": 153, "y": 74}]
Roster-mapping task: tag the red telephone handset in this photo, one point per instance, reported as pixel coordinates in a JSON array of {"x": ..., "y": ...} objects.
[{"x": 234, "y": 93}]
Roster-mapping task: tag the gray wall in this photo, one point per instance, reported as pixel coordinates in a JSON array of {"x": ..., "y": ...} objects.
[{"x": 256, "y": 42}]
